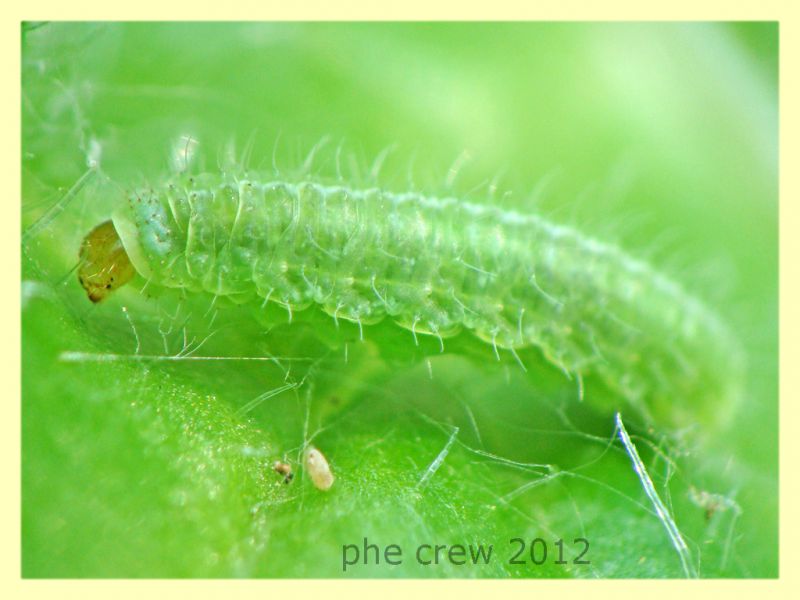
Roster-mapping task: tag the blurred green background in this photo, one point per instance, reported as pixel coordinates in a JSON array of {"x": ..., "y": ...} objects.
[{"x": 659, "y": 137}]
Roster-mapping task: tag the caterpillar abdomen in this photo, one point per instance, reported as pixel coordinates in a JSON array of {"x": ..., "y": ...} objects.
[{"x": 435, "y": 266}]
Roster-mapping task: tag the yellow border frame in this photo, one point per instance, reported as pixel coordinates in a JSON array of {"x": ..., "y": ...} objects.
[{"x": 778, "y": 10}]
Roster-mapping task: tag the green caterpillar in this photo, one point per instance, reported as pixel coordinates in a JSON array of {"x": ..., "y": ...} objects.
[{"x": 435, "y": 266}]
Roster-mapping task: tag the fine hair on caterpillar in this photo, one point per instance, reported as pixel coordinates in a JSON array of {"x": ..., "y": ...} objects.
[{"x": 435, "y": 265}]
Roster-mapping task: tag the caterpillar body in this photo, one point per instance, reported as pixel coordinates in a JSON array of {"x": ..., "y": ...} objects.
[{"x": 435, "y": 266}]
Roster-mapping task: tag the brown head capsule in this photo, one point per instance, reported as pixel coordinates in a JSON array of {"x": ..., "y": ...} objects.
[{"x": 105, "y": 265}]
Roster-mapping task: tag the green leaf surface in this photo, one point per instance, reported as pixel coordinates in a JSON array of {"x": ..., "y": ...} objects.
[{"x": 148, "y": 442}]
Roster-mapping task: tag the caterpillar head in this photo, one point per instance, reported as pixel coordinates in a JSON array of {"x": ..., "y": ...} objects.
[{"x": 104, "y": 265}]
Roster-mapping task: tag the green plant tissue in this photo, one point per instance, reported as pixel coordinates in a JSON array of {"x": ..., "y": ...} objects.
[{"x": 166, "y": 429}]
